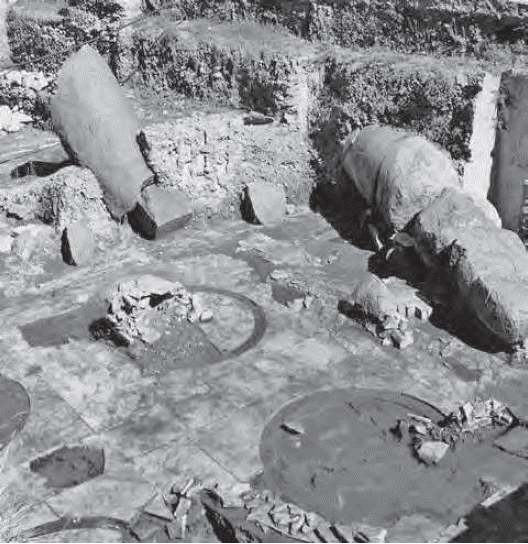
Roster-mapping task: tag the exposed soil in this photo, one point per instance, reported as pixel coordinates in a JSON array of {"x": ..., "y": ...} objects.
[{"x": 69, "y": 466}]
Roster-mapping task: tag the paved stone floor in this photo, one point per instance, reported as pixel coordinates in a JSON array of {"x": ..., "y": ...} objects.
[{"x": 206, "y": 419}]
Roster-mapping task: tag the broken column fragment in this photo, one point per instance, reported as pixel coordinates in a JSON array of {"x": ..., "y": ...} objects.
[
  {"x": 488, "y": 265},
  {"x": 159, "y": 211},
  {"x": 98, "y": 128},
  {"x": 396, "y": 172}
]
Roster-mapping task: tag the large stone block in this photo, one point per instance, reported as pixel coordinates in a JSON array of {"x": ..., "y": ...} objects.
[
  {"x": 265, "y": 203},
  {"x": 398, "y": 173},
  {"x": 160, "y": 211},
  {"x": 490, "y": 267},
  {"x": 436, "y": 227},
  {"x": 98, "y": 127}
]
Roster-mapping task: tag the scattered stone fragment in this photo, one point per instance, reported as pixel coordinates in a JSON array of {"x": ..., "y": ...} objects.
[
  {"x": 32, "y": 239},
  {"x": 402, "y": 339},
  {"x": 12, "y": 121},
  {"x": 423, "y": 312},
  {"x": 489, "y": 485},
  {"x": 98, "y": 128},
  {"x": 199, "y": 310},
  {"x": 256, "y": 118},
  {"x": 452, "y": 531},
  {"x": 142, "y": 309},
  {"x": 293, "y": 427},
  {"x": 515, "y": 441},
  {"x": 325, "y": 534},
  {"x": 159, "y": 507},
  {"x": 431, "y": 452},
  {"x": 160, "y": 211},
  {"x": 265, "y": 203},
  {"x": 346, "y": 533},
  {"x": 77, "y": 244},
  {"x": 371, "y": 534},
  {"x": 499, "y": 495},
  {"x": 6, "y": 243}
]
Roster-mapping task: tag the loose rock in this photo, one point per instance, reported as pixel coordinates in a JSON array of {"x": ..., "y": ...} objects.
[
  {"x": 160, "y": 211},
  {"x": 431, "y": 452},
  {"x": 402, "y": 339},
  {"x": 266, "y": 203},
  {"x": 6, "y": 243},
  {"x": 77, "y": 244},
  {"x": 12, "y": 121},
  {"x": 374, "y": 298},
  {"x": 32, "y": 239}
]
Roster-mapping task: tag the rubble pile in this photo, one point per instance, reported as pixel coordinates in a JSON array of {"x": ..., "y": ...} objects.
[
  {"x": 144, "y": 308},
  {"x": 385, "y": 312},
  {"x": 13, "y": 120},
  {"x": 431, "y": 441},
  {"x": 271, "y": 513}
]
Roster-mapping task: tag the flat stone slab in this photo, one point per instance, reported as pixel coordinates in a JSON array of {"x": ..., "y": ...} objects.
[{"x": 160, "y": 211}]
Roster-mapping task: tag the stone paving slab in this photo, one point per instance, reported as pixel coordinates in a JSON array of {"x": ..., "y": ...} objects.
[{"x": 207, "y": 421}]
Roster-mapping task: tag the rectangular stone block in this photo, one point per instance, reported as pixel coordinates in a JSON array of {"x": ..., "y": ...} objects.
[{"x": 160, "y": 211}]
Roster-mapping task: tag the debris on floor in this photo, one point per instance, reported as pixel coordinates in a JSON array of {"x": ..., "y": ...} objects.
[
  {"x": 70, "y": 466},
  {"x": 431, "y": 441},
  {"x": 13, "y": 121},
  {"x": 144, "y": 308}
]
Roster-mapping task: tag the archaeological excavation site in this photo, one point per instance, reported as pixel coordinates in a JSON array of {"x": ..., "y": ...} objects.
[{"x": 263, "y": 271}]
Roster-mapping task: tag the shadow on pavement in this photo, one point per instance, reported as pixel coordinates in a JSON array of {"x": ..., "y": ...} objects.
[{"x": 504, "y": 521}]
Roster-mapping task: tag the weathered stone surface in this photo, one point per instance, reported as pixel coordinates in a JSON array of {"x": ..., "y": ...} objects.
[
  {"x": 490, "y": 268},
  {"x": 398, "y": 174},
  {"x": 77, "y": 244},
  {"x": 33, "y": 239},
  {"x": 437, "y": 226},
  {"x": 73, "y": 194},
  {"x": 160, "y": 211},
  {"x": 6, "y": 243},
  {"x": 12, "y": 121},
  {"x": 98, "y": 128},
  {"x": 431, "y": 452},
  {"x": 374, "y": 298},
  {"x": 267, "y": 202},
  {"x": 515, "y": 441}
]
